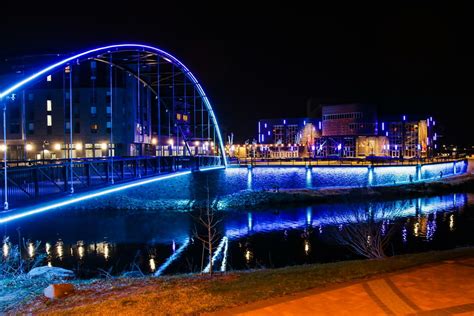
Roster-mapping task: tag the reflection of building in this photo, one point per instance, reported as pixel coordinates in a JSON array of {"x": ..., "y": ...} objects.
[{"x": 347, "y": 130}]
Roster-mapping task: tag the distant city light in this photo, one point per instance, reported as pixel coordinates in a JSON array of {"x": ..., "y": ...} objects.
[
  {"x": 339, "y": 146},
  {"x": 404, "y": 117},
  {"x": 103, "y": 146},
  {"x": 29, "y": 147},
  {"x": 79, "y": 146},
  {"x": 57, "y": 146},
  {"x": 383, "y": 126},
  {"x": 154, "y": 141}
]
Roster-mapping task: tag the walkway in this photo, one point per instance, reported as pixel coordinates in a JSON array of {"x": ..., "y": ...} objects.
[{"x": 445, "y": 288}]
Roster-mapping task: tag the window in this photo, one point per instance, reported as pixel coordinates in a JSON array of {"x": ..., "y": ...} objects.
[
  {"x": 49, "y": 120},
  {"x": 178, "y": 116},
  {"x": 185, "y": 117},
  {"x": 48, "y": 78},
  {"x": 49, "y": 105},
  {"x": 109, "y": 127},
  {"x": 68, "y": 126},
  {"x": 93, "y": 110},
  {"x": 108, "y": 110},
  {"x": 31, "y": 128},
  {"x": 94, "y": 128}
]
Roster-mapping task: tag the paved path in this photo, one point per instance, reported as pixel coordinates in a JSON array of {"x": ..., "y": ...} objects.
[{"x": 445, "y": 288}]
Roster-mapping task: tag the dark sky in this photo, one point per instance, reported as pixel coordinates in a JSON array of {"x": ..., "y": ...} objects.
[{"x": 260, "y": 64}]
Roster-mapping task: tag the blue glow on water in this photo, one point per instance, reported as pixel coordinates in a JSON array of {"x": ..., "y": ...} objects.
[{"x": 331, "y": 214}]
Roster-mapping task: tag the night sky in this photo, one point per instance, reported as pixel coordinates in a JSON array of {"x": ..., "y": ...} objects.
[{"x": 260, "y": 64}]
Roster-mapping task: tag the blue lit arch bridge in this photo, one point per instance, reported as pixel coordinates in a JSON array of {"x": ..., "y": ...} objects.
[{"x": 106, "y": 116}]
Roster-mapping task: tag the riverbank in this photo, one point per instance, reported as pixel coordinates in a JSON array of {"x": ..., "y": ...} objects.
[
  {"x": 257, "y": 199},
  {"x": 262, "y": 199},
  {"x": 195, "y": 294}
]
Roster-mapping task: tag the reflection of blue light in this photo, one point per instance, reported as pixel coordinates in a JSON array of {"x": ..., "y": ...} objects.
[
  {"x": 173, "y": 257},
  {"x": 309, "y": 215},
  {"x": 224, "y": 259},
  {"x": 319, "y": 125},
  {"x": 216, "y": 254},
  {"x": 160, "y": 52},
  {"x": 333, "y": 214},
  {"x": 404, "y": 117},
  {"x": 284, "y": 121},
  {"x": 265, "y": 125},
  {"x": 249, "y": 221},
  {"x": 88, "y": 196},
  {"x": 268, "y": 133},
  {"x": 383, "y": 126}
]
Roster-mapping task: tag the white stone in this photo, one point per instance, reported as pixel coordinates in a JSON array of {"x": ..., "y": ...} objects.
[{"x": 50, "y": 273}]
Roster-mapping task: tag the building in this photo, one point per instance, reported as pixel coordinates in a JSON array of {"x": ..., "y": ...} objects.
[{"x": 348, "y": 130}]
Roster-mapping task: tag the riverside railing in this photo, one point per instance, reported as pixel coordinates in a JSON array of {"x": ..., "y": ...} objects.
[{"x": 312, "y": 162}]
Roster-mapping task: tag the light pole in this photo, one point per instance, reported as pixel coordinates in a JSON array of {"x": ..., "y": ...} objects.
[{"x": 5, "y": 182}]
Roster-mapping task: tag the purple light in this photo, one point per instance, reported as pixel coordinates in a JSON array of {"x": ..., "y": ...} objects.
[
  {"x": 383, "y": 126},
  {"x": 386, "y": 134},
  {"x": 313, "y": 147},
  {"x": 284, "y": 121},
  {"x": 404, "y": 118},
  {"x": 265, "y": 125},
  {"x": 434, "y": 123},
  {"x": 320, "y": 125},
  {"x": 268, "y": 133},
  {"x": 304, "y": 122},
  {"x": 339, "y": 146}
]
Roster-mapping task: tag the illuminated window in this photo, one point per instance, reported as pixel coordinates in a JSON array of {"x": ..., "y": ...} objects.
[
  {"x": 48, "y": 78},
  {"x": 67, "y": 69},
  {"x": 178, "y": 116},
  {"x": 49, "y": 105},
  {"x": 49, "y": 120},
  {"x": 94, "y": 128},
  {"x": 185, "y": 118},
  {"x": 93, "y": 110}
]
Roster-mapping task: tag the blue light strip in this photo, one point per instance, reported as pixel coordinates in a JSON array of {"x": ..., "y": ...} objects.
[
  {"x": 173, "y": 257},
  {"x": 224, "y": 260},
  {"x": 88, "y": 196},
  {"x": 162, "y": 53}
]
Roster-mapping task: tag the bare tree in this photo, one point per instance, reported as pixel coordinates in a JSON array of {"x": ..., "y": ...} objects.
[
  {"x": 208, "y": 221},
  {"x": 368, "y": 230}
]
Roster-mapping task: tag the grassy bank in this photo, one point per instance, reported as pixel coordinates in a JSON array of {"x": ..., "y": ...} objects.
[{"x": 195, "y": 294}]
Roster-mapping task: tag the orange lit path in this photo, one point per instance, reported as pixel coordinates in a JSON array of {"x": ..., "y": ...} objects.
[{"x": 445, "y": 288}]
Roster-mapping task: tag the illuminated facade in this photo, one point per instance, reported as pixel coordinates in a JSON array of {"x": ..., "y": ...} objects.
[
  {"x": 118, "y": 100},
  {"x": 348, "y": 130}
]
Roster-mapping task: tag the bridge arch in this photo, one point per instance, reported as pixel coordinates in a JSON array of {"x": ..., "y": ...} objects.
[{"x": 110, "y": 51}]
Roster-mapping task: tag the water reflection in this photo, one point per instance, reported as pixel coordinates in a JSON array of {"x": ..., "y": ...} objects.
[{"x": 273, "y": 238}]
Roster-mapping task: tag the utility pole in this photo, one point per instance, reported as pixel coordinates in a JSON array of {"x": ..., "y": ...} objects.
[{"x": 5, "y": 179}]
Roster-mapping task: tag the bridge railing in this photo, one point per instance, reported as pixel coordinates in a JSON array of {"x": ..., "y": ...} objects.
[{"x": 31, "y": 181}]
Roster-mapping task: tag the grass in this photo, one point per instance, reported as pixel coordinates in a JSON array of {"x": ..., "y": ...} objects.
[{"x": 194, "y": 294}]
